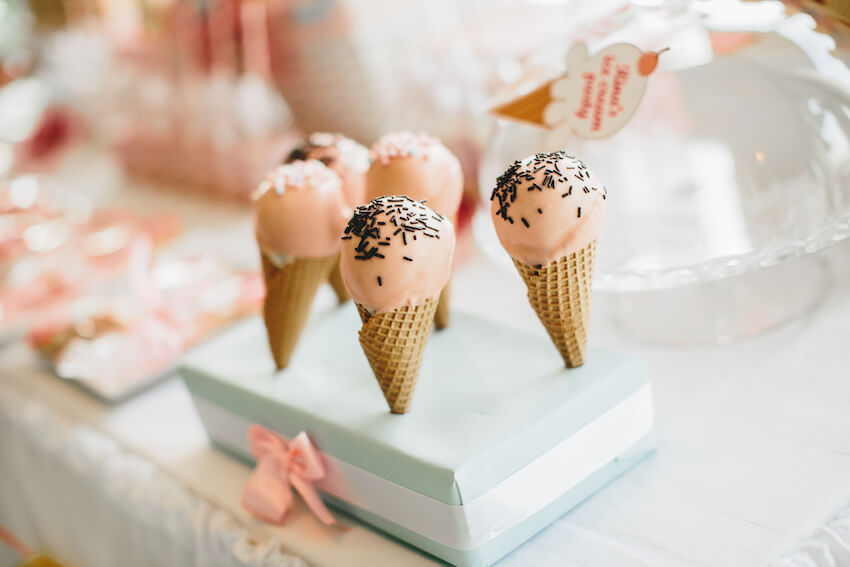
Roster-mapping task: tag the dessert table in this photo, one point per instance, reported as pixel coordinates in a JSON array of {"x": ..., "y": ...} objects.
[{"x": 752, "y": 466}]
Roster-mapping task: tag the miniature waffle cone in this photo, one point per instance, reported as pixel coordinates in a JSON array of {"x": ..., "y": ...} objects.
[
  {"x": 335, "y": 279},
  {"x": 269, "y": 269},
  {"x": 441, "y": 317},
  {"x": 289, "y": 296},
  {"x": 560, "y": 294},
  {"x": 394, "y": 343}
]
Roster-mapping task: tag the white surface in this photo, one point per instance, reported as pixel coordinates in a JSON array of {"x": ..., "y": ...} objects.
[
  {"x": 160, "y": 426},
  {"x": 754, "y": 451},
  {"x": 753, "y": 463},
  {"x": 75, "y": 492},
  {"x": 488, "y": 516}
]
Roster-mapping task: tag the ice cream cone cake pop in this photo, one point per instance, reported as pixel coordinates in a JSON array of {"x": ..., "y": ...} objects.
[
  {"x": 346, "y": 157},
  {"x": 396, "y": 259},
  {"x": 299, "y": 213},
  {"x": 547, "y": 210},
  {"x": 350, "y": 161},
  {"x": 421, "y": 167}
]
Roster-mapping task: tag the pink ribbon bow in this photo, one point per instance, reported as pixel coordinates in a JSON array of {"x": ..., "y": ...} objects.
[{"x": 281, "y": 466}]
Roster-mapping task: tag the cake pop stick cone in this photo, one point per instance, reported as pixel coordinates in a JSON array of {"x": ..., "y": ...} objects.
[
  {"x": 396, "y": 258},
  {"x": 442, "y": 313},
  {"x": 421, "y": 167},
  {"x": 560, "y": 293},
  {"x": 290, "y": 291},
  {"x": 335, "y": 279},
  {"x": 350, "y": 161},
  {"x": 547, "y": 210},
  {"x": 394, "y": 343},
  {"x": 269, "y": 268},
  {"x": 299, "y": 213},
  {"x": 343, "y": 155}
]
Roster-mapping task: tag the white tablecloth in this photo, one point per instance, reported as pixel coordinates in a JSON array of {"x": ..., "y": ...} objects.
[
  {"x": 76, "y": 492},
  {"x": 753, "y": 464}
]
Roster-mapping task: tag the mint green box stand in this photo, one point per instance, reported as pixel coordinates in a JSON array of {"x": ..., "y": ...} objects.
[{"x": 501, "y": 439}]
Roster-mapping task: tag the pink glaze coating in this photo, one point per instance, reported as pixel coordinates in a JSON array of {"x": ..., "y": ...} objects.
[
  {"x": 299, "y": 211},
  {"x": 346, "y": 157},
  {"x": 547, "y": 206},
  {"x": 416, "y": 165},
  {"x": 396, "y": 252}
]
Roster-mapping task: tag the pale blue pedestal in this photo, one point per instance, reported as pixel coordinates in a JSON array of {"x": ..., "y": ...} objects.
[{"x": 497, "y": 427}]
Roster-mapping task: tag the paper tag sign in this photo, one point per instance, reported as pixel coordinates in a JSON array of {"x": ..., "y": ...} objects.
[{"x": 594, "y": 99}]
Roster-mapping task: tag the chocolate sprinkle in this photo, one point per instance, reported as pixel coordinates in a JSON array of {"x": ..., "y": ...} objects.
[
  {"x": 312, "y": 148},
  {"x": 379, "y": 281},
  {"x": 405, "y": 216},
  {"x": 579, "y": 212},
  {"x": 505, "y": 192}
]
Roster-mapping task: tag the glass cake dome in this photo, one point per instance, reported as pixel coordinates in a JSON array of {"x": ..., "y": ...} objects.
[{"x": 737, "y": 159}]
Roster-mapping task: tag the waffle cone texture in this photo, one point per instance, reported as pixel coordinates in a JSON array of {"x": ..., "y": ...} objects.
[
  {"x": 441, "y": 317},
  {"x": 335, "y": 279},
  {"x": 560, "y": 293},
  {"x": 394, "y": 344},
  {"x": 290, "y": 291}
]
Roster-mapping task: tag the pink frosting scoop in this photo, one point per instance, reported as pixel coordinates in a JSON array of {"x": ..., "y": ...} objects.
[
  {"x": 396, "y": 252},
  {"x": 416, "y": 165},
  {"x": 547, "y": 206},
  {"x": 300, "y": 211},
  {"x": 346, "y": 157}
]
